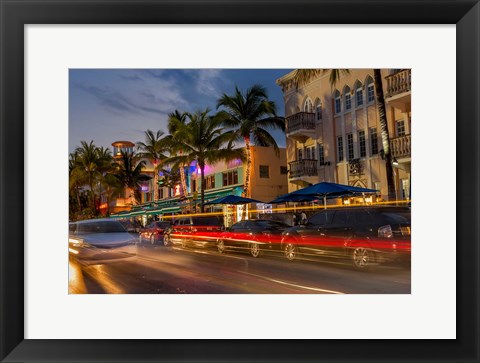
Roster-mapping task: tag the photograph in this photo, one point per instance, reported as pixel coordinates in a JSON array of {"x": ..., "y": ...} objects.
[
  {"x": 239, "y": 181},
  {"x": 231, "y": 181}
]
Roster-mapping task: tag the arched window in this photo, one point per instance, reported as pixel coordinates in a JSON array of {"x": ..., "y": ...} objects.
[
  {"x": 307, "y": 106},
  {"x": 318, "y": 110},
  {"x": 338, "y": 102},
  {"x": 358, "y": 94},
  {"x": 348, "y": 98},
  {"x": 370, "y": 90}
]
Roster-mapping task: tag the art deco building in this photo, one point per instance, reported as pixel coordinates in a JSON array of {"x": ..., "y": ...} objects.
[{"x": 334, "y": 134}]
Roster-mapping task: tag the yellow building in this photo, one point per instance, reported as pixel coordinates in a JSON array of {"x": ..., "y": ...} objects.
[{"x": 334, "y": 135}]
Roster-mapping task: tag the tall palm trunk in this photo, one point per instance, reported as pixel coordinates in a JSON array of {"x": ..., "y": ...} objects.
[
  {"x": 246, "y": 191},
  {"x": 202, "y": 186},
  {"x": 384, "y": 132},
  {"x": 155, "y": 180},
  {"x": 183, "y": 180}
]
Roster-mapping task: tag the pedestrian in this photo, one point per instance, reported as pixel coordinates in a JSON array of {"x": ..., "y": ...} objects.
[
  {"x": 303, "y": 217},
  {"x": 298, "y": 218},
  {"x": 294, "y": 219}
]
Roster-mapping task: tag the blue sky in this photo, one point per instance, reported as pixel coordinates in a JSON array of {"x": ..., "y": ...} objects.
[{"x": 106, "y": 105}]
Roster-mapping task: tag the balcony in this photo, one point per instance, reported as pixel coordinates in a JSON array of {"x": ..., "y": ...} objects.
[
  {"x": 303, "y": 168},
  {"x": 401, "y": 147},
  {"x": 399, "y": 82},
  {"x": 301, "y": 126},
  {"x": 399, "y": 89}
]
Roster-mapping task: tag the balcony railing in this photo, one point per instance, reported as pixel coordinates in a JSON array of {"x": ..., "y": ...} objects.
[
  {"x": 300, "y": 121},
  {"x": 399, "y": 82},
  {"x": 302, "y": 168},
  {"x": 400, "y": 146}
]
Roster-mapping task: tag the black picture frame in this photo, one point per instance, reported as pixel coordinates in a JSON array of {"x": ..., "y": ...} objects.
[{"x": 15, "y": 14}]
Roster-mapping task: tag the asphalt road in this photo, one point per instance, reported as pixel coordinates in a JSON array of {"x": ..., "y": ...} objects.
[{"x": 172, "y": 270}]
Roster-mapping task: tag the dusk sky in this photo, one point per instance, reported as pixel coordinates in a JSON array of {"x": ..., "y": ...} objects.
[{"x": 107, "y": 105}]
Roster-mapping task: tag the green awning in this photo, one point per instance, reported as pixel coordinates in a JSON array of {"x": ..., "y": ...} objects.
[
  {"x": 175, "y": 209},
  {"x": 154, "y": 212}
]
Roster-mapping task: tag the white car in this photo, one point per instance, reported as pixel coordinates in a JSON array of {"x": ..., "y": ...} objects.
[{"x": 100, "y": 239}]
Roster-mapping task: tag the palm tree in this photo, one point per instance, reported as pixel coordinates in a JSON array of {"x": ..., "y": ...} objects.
[
  {"x": 76, "y": 180},
  {"x": 203, "y": 140},
  {"x": 87, "y": 162},
  {"x": 382, "y": 116},
  {"x": 175, "y": 119},
  {"x": 153, "y": 149},
  {"x": 251, "y": 115},
  {"x": 303, "y": 76},
  {"x": 129, "y": 172},
  {"x": 108, "y": 182}
]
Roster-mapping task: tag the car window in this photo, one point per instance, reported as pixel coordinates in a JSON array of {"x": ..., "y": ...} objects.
[
  {"x": 396, "y": 217},
  {"x": 362, "y": 216},
  {"x": 321, "y": 218},
  {"x": 100, "y": 227},
  {"x": 238, "y": 226},
  {"x": 206, "y": 221},
  {"x": 341, "y": 218},
  {"x": 162, "y": 224}
]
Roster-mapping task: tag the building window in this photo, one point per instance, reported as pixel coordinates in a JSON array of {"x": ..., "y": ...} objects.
[
  {"x": 160, "y": 193},
  {"x": 210, "y": 182},
  {"x": 340, "y": 148},
  {"x": 405, "y": 189},
  {"x": 337, "y": 105},
  {"x": 362, "y": 144},
  {"x": 348, "y": 102},
  {"x": 321, "y": 155},
  {"x": 400, "y": 126},
  {"x": 373, "y": 141},
  {"x": 300, "y": 154},
  {"x": 264, "y": 171},
  {"x": 318, "y": 111},
  {"x": 283, "y": 170},
  {"x": 230, "y": 178},
  {"x": 310, "y": 152},
  {"x": 350, "y": 146},
  {"x": 308, "y": 107},
  {"x": 370, "y": 93},
  {"x": 359, "y": 97}
]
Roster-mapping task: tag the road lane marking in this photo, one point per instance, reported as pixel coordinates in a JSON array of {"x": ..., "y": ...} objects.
[{"x": 295, "y": 285}]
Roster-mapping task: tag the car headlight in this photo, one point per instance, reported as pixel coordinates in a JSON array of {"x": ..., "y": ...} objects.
[{"x": 76, "y": 242}]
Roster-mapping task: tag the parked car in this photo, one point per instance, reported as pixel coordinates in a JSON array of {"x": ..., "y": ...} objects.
[
  {"x": 193, "y": 231},
  {"x": 153, "y": 233},
  {"x": 364, "y": 235},
  {"x": 254, "y": 236},
  {"x": 98, "y": 239}
]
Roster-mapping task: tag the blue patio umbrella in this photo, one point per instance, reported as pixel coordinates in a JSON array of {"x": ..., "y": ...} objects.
[
  {"x": 321, "y": 190},
  {"x": 233, "y": 199}
]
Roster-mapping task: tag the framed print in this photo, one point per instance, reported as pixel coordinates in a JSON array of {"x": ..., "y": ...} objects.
[{"x": 48, "y": 51}]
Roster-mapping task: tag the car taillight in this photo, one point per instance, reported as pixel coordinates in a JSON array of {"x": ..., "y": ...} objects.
[{"x": 385, "y": 232}]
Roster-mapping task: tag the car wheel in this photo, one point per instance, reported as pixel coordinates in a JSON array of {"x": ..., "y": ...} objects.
[
  {"x": 220, "y": 246},
  {"x": 166, "y": 239},
  {"x": 152, "y": 239},
  {"x": 362, "y": 258},
  {"x": 254, "y": 249},
  {"x": 290, "y": 251}
]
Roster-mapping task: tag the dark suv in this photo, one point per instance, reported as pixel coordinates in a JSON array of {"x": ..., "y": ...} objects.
[
  {"x": 365, "y": 235},
  {"x": 193, "y": 231}
]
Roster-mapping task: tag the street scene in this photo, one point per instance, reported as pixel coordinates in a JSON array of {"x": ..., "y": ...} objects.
[{"x": 240, "y": 181}]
